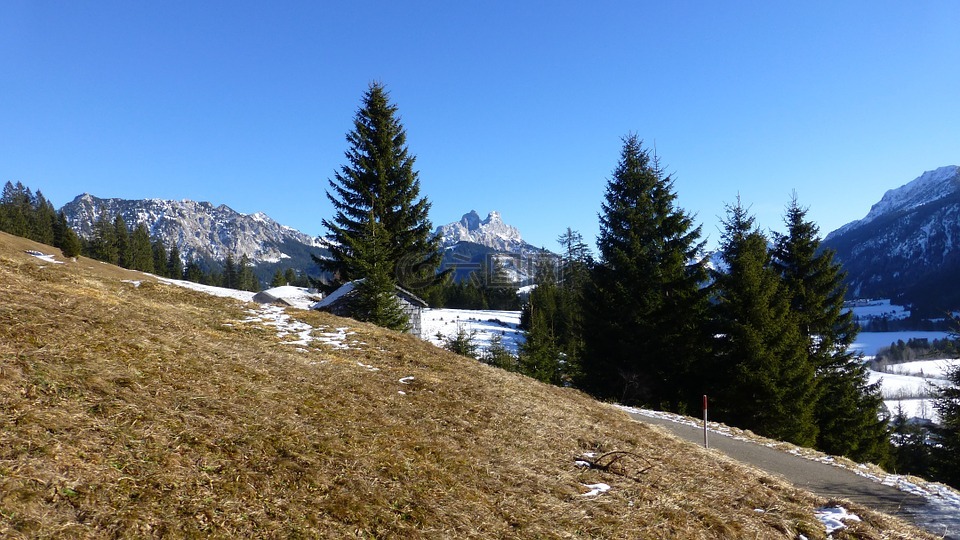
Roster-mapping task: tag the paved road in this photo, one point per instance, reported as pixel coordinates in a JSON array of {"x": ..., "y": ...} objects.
[{"x": 820, "y": 478}]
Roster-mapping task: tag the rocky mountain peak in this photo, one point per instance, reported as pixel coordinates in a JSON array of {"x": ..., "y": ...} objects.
[{"x": 491, "y": 232}]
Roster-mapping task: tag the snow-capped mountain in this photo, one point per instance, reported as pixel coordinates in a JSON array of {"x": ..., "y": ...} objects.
[
  {"x": 200, "y": 230},
  {"x": 472, "y": 245},
  {"x": 908, "y": 245},
  {"x": 491, "y": 232}
]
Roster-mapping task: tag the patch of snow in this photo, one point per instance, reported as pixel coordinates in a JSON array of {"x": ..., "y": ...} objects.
[
  {"x": 43, "y": 257},
  {"x": 438, "y": 325},
  {"x": 223, "y": 292},
  {"x": 135, "y": 282},
  {"x": 833, "y": 517},
  {"x": 406, "y": 380},
  {"x": 595, "y": 489}
]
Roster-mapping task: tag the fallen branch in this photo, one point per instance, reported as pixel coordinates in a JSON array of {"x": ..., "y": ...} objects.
[{"x": 612, "y": 462}]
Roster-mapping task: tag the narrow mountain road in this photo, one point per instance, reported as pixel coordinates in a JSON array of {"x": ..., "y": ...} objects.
[{"x": 819, "y": 478}]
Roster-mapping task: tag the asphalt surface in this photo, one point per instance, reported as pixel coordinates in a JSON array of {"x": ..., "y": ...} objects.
[{"x": 819, "y": 478}]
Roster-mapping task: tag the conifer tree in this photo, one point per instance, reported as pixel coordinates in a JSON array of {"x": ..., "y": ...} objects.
[
  {"x": 766, "y": 382},
  {"x": 379, "y": 179},
  {"x": 540, "y": 354},
  {"x": 230, "y": 277},
  {"x": 376, "y": 299},
  {"x": 141, "y": 251},
  {"x": 42, "y": 219},
  {"x": 278, "y": 279},
  {"x": 290, "y": 277},
  {"x": 174, "y": 264},
  {"x": 644, "y": 335},
  {"x": 122, "y": 234},
  {"x": 849, "y": 411},
  {"x": 66, "y": 238},
  {"x": 159, "y": 254},
  {"x": 15, "y": 209},
  {"x": 193, "y": 272},
  {"x": 246, "y": 279},
  {"x": 104, "y": 244}
]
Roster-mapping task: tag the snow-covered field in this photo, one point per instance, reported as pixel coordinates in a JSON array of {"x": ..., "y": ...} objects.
[
  {"x": 878, "y": 309},
  {"x": 909, "y": 386},
  {"x": 869, "y": 343},
  {"x": 441, "y": 324}
]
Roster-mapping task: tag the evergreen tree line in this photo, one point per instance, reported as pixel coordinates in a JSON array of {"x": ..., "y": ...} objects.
[
  {"x": 917, "y": 349},
  {"x": 31, "y": 215},
  {"x": 114, "y": 242},
  {"x": 761, "y": 331},
  {"x": 648, "y": 322}
]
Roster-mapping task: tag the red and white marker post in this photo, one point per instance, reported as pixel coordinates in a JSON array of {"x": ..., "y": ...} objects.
[{"x": 705, "y": 444}]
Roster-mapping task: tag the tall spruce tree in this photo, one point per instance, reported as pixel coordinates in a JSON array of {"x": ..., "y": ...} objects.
[
  {"x": 644, "y": 334},
  {"x": 379, "y": 180},
  {"x": 174, "y": 264},
  {"x": 104, "y": 244},
  {"x": 141, "y": 251},
  {"x": 849, "y": 411},
  {"x": 376, "y": 299},
  {"x": 66, "y": 238},
  {"x": 122, "y": 234},
  {"x": 766, "y": 383},
  {"x": 540, "y": 354}
]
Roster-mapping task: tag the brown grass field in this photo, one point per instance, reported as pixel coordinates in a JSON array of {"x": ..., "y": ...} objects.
[{"x": 155, "y": 412}]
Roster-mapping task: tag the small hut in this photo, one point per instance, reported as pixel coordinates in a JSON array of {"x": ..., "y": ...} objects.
[{"x": 340, "y": 301}]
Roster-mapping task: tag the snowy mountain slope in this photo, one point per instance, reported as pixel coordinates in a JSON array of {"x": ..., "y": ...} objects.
[
  {"x": 491, "y": 232},
  {"x": 474, "y": 245},
  {"x": 908, "y": 245},
  {"x": 928, "y": 187},
  {"x": 198, "y": 229}
]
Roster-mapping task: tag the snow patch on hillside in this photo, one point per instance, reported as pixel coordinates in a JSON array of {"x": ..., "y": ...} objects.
[{"x": 438, "y": 325}]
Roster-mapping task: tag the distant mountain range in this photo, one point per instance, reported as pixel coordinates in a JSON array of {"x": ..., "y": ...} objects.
[
  {"x": 204, "y": 232},
  {"x": 208, "y": 233},
  {"x": 908, "y": 246}
]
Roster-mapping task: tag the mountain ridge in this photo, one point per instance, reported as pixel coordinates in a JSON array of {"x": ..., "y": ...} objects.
[{"x": 908, "y": 246}]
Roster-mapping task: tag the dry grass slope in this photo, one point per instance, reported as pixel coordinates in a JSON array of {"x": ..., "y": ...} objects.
[{"x": 153, "y": 411}]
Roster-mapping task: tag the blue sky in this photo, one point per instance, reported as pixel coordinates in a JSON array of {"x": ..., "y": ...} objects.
[{"x": 512, "y": 106}]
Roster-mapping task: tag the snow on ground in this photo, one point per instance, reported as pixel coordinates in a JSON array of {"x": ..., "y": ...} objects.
[
  {"x": 439, "y": 324},
  {"x": 302, "y": 334},
  {"x": 910, "y": 386},
  {"x": 877, "y": 309},
  {"x": 245, "y": 296},
  {"x": 941, "y": 515},
  {"x": 869, "y": 343},
  {"x": 43, "y": 257},
  {"x": 833, "y": 517}
]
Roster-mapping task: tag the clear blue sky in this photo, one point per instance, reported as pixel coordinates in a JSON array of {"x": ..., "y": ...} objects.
[{"x": 512, "y": 106}]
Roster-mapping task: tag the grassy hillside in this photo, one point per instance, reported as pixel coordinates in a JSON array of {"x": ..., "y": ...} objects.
[{"x": 155, "y": 411}]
